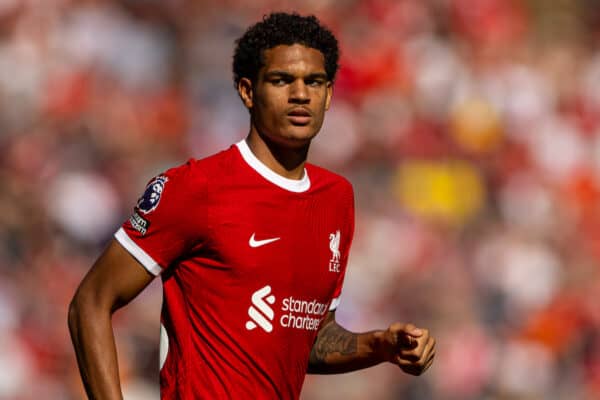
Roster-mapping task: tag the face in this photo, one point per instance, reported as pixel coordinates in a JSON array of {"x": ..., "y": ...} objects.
[{"x": 288, "y": 101}]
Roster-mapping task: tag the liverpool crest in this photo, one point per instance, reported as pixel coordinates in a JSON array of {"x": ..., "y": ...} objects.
[{"x": 334, "y": 246}]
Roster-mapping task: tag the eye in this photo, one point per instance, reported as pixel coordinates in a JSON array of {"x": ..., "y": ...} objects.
[
  {"x": 278, "y": 80},
  {"x": 315, "y": 82}
]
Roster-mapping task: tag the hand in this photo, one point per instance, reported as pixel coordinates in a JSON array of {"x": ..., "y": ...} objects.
[{"x": 409, "y": 347}]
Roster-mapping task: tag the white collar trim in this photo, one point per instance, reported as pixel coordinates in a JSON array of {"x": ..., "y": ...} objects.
[{"x": 293, "y": 185}]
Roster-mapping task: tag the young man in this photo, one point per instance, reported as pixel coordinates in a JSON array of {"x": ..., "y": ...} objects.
[{"x": 251, "y": 244}]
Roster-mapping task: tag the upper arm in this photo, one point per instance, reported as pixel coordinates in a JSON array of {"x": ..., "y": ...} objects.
[
  {"x": 158, "y": 232},
  {"x": 114, "y": 279}
]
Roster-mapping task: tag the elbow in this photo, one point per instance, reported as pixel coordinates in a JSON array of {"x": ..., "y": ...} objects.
[
  {"x": 87, "y": 306},
  {"x": 82, "y": 307},
  {"x": 74, "y": 313}
]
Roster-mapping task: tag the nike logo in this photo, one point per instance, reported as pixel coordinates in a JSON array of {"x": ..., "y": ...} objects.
[{"x": 257, "y": 243}]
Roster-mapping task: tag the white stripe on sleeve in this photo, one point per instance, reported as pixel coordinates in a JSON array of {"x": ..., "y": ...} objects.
[
  {"x": 334, "y": 304},
  {"x": 137, "y": 252}
]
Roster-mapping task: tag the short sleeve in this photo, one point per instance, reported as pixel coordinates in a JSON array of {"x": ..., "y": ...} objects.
[
  {"x": 167, "y": 220},
  {"x": 346, "y": 239}
]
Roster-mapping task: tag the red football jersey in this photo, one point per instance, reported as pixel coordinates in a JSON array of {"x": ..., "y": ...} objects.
[{"x": 251, "y": 263}]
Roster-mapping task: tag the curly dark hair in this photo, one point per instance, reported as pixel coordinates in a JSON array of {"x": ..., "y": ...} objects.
[{"x": 282, "y": 29}]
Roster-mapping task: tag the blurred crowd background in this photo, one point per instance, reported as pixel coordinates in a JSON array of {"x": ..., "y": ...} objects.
[{"x": 470, "y": 129}]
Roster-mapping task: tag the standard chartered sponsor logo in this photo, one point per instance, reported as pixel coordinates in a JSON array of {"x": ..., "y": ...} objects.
[
  {"x": 302, "y": 314},
  {"x": 295, "y": 313},
  {"x": 258, "y": 303}
]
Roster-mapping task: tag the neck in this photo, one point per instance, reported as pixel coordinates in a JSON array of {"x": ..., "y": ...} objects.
[{"x": 283, "y": 160}]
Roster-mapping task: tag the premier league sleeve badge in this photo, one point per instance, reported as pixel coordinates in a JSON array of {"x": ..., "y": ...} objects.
[{"x": 151, "y": 197}]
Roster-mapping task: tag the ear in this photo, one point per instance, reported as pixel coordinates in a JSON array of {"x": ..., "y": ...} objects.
[
  {"x": 244, "y": 88},
  {"x": 328, "y": 94}
]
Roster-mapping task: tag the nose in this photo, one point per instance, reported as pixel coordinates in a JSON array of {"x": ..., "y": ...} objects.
[{"x": 299, "y": 92}]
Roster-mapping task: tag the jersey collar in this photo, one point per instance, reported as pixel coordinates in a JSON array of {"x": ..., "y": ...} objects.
[{"x": 293, "y": 185}]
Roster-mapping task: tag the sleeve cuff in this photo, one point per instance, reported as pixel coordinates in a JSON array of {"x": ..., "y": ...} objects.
[
  {"x": 334, "y": 304},
  {"x": 137, "y": 252}
]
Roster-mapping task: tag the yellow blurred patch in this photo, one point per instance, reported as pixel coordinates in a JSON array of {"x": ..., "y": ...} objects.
[{"x": 447, "y": 191}]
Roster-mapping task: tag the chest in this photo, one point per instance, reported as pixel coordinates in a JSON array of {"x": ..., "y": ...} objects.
[{"x": 288, "y": 241}]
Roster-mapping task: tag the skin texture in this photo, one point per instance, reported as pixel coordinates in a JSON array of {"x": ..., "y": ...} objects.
[
  {"x": 287, "y": 105},
  {"x": 337, "y": 350},
  {"x": 112, "y": 282},
  {"x": 293, "y": 80}
]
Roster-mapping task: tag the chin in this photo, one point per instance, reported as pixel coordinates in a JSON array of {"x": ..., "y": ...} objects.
[
  {"x": 300, "y": 139},
  {"x": 302, "y": 132},
  {"x": 294, "y": 137}
]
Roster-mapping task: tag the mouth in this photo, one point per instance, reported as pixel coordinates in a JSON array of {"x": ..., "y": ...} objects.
[{"x": 299, "y": 116}]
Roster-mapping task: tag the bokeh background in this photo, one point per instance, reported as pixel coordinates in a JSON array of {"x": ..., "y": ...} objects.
[{"x": 470, "y": 129}]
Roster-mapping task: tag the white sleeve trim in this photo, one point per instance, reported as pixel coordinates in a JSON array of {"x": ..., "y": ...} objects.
[
  {"x": 137, "y": 252},
  {"x": 334, "y": 304}
]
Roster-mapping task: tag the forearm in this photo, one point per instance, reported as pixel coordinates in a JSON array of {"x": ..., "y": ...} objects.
[
  {"x": 93, "y": 340},
  {"x": 338, "y": 350}
]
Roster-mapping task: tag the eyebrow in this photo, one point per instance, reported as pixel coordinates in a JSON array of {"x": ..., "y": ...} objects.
[{"x": 314, "y": 75}]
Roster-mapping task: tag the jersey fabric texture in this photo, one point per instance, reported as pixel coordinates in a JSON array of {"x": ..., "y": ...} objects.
[{"x": 251, "y": 263}]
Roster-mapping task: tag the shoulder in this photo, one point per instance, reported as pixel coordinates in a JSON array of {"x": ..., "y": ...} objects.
[
  {"x": 323, "y": 177},
  {"x": 188, "y": 181},
  {"x": 198, "y": 170}
]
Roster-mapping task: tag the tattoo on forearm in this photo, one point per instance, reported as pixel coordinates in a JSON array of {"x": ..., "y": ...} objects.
[{"x": 334, "y": 339}]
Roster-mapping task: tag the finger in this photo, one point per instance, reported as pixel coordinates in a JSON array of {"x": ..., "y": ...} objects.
[
  {"x": 430, "y": 352},
  {"x": 418, "y": 345},
  {"x": 405, "y": 341},
  {"x": 406, "y": 329},
  {"x": 411, "y": 367},
  {"x": 429, "y": 347},
  {"x": 411, "y": 337},
  {"x": 430, "y": 360},
  {"x": 415, "y": 367},
  {"x": 402, "y": 362},
  {"x": 421, "y": 351},
  {"x": 432, "y": 346},
  {"x": 428, "y": 364},
  {"x": 411, "y": 360}
]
